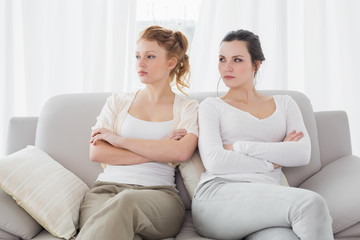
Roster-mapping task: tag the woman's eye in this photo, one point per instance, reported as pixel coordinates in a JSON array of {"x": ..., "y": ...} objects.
[
  {"x": 151, "y": 56},
  {"x": 221, "y": 60},
  {"x": 237, "y": 60},
  {"x": 138, "y": 57}
]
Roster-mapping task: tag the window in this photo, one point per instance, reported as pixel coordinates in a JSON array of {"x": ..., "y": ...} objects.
[{"x": 176, "y": 15}]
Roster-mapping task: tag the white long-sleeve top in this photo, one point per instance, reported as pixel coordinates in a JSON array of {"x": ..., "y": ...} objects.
[{"x": 257, "y": 142}]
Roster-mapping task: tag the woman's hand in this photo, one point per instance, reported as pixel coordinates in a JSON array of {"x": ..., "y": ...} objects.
[
  {"x": 229, "y": 147},
  {"x": 105, "y": 135},
  {"x": 176, "y": 134},
  {"x": 293, "y": 136},
  {"x": 276, "y": 166}
]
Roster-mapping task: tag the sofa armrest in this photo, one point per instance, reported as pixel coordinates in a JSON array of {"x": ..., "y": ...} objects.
[
  {"x": 21, "y": 132},
  {"x": 334, "y": 135}
]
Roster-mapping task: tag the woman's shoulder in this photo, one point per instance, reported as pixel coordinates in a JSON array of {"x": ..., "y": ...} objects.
[
  {"x": 121, "y": 96},
  {"x": 285, "y": 101},
  {"x": 284, "y": 98},
  {"x": 211, "y": 101},
  {"x": 117, "y": 99},
  {"x": 211, "y": 104},
  {"x": 185, "y": 101}
]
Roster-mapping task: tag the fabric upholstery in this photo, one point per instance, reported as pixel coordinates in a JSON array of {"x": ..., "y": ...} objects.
[
  {"x": 338, "y": 182},
  {"x": 179, "y": 182},
  {"x": 15, "y": 220},
  {"x": 59, "y": 118},
  {"x": 21, "y": 132},
  {"x": 7, "y": 236},
  {"x": 351, "y": 231},
  {"x": 331, "y": 133}
]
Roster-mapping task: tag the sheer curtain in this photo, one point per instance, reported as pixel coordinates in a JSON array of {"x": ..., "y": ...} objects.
[
  {"x": 309, "y": 46},
  {"x": 51, "y": 47}
]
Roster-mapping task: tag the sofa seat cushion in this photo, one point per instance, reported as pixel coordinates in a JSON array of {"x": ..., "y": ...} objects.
[
  {"x": 50, "y": 193},
  {"x": 15, "y": 220},
  {"x": 338, "y": 183},
  {"x": 350, "y": 232},
  {"x": 7, "y": 236}
]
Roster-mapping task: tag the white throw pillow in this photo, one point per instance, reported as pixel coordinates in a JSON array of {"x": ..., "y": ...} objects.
[
  {"x": 50, "y": 193},
  {"x": 191, "y": 171}
]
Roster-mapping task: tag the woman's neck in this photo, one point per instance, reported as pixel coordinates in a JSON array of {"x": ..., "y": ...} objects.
[
  {"x": 243, "y": 94},
  {"x": 158, "y": 93}
]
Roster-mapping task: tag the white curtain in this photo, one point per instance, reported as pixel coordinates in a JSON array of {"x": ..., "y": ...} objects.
[
  {"x": 309, "y": 46},
  {"x": 51, "y": 47}
]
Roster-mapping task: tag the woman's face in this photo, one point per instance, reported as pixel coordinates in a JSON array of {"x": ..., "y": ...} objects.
[
  {"x": 235, "y": 65},
  {"x": 152, "y": 63}
]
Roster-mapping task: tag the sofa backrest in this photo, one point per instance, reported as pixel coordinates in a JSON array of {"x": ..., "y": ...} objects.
[
  {"x": 65, "y": 122},
  {"x": 64, "y": 129}
]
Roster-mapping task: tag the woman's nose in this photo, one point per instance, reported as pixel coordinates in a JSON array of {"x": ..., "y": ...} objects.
[
  {"x": 141, "y": 62},
  {"x": 228, "y": 67}
]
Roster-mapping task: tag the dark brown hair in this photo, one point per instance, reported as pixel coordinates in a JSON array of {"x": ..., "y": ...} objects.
[{"x": 252, "y": 43}]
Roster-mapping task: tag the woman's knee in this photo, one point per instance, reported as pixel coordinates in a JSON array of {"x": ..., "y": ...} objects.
[
  {"x": 315, "y": 205},
  {"x": 126, "y": 199},
  {"x": 317, "y": 201}
]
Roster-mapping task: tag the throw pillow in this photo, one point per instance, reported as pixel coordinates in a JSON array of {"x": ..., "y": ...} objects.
[
  {"x": 191, "y": 171},
  {"x": 50, "y": 193}
]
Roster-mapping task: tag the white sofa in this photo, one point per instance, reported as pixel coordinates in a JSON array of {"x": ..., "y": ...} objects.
[{"x": 63, "y": 128}]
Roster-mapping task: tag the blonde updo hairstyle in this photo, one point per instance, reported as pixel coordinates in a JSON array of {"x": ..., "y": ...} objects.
[{"x": 176, "y": 45}]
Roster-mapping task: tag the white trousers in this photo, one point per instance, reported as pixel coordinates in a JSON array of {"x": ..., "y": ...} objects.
[{"x": 233, "y": 210}]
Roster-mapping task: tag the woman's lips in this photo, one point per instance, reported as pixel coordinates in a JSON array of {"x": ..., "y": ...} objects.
[
  {"x": 142, "y": 73},
  {"x": 229, "y": 77}
]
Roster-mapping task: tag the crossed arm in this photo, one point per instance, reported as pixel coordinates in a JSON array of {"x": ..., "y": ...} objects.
[
  {"x": 249, "y": 156},
  {"x": 293, "y": 136},
  {"x": 110, "y": 148}
]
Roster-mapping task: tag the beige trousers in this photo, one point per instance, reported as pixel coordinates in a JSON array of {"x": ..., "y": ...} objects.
[{"x": 113, "y": 211}]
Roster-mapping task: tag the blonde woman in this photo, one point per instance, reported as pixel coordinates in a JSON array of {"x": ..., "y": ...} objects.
[{"x": 140, "y": 137}]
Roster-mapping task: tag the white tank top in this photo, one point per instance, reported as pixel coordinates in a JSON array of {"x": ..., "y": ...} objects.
[{"x": 145, "y": 174}]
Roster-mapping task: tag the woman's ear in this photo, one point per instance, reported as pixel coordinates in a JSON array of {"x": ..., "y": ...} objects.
[
  {"x": 257, "y": 66},
  {"x": 172, "y": 63}
]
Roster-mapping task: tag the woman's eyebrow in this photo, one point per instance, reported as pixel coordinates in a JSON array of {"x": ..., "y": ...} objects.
[{"x": 147, "y": 51}]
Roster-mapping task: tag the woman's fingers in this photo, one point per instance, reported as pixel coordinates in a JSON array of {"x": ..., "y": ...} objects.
[
  {"x": 95, "y": 138},
  {"x": 298, "y": 137},
  {"x": 97, "y": 131},
  {"x": 97, "y": 134},
  {"x": 289, "y": 136},
  {"x": 276, "y": 165},
  {"x": 229, "y": 147},
  {"x": 177, "y": 134},
  {"x": 294, "y": 136}
]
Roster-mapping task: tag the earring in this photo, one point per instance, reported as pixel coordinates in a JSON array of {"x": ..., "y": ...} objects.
[{"x": 217, "y": 87}]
